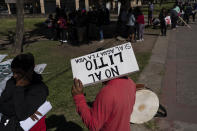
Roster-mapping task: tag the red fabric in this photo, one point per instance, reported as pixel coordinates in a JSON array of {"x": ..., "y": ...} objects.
[
  {"x": 40, "y": 126},
  {"x": 62, "y": 23},
  {"x": 140, "y": 19},
  {"x": 112, "y": 107}
]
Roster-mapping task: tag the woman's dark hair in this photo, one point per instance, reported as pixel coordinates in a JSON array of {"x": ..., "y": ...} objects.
[
  {"x": 130, "y": 10},
  {"x": 50, "y": 16},
  {"x": 163, "y": 10},
  {"x": 24, "y": 62},
  {"x": 137, "y": 11},
  {"x": 175, "y": 5}
]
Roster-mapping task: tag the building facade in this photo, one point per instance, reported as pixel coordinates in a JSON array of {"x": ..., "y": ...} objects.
[{"x": 49, "y": 6}]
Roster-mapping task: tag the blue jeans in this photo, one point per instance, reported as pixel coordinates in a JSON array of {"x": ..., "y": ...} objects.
[
  {"x": 141, "y": 31},
  {"x": 101, "y": 33}
]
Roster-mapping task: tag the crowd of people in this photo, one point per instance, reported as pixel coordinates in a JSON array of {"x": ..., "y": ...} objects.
[
  {"x": 83, "y": 26},
  {"x": 131, "y": 24},
  {"x": 186, "y": 10},
  {"x": 79, "y": 25},
  {"x": 179, "y": 16}
]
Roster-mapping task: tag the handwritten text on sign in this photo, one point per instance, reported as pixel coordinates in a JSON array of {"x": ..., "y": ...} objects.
[{"x": 104, "y": 65}]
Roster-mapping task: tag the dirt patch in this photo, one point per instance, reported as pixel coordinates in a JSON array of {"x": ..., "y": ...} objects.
[
  {"x": 66, "y": 49},
  {"x": 150, "y": 38}
]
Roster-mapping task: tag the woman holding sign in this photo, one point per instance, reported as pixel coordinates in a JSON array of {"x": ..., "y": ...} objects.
[
  {"x": 23, "y": 95},
  {"x": 112, "y": 107}
]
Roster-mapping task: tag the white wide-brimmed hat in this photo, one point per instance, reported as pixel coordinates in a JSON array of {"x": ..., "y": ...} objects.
[{"x": 146, "y": 106}]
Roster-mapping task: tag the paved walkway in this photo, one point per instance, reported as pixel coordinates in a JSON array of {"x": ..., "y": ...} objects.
[
  {"x": 179, "y": 84},
  {"x": 172, "y": 74},
  {"x": 152, "y": 75}
]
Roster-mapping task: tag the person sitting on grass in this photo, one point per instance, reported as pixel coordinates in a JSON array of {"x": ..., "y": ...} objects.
[
  {"x": 24, "y": 93},
  {"x": 155, "y": 22}
]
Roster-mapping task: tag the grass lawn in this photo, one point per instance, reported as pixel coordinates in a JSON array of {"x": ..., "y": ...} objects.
[
  {"x": 157, "y": 8},
  {"x": 58, "y": 77},
  {"x": 8, "y": 25}
]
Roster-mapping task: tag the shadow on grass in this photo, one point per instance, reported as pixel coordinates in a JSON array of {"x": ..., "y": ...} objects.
[
  {"x": 98, "y": 49},
  {"x": 60, "y": 123},
  {"x": 151, "y": 34},
  {"x": 75, "y": 33},
  {"x": 109, "y": 31},
  {"x": 3, "y": 46},
  {"x": 40, "y": 30},
  {"x": 29, "y": 36},
  {"x": 9, "y": 39},
  {"x": 57, "y": 74}
]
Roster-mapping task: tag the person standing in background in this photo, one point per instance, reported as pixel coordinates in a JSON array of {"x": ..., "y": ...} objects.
[
  {"x": 50, "y": 26},
  {"x": 141, "y": 22},
  {"x": 194, "y": 11},
  {"x": 100, "y": 23},
  {"x": 62, "y": 24},
  {"x": 162, "y": 17},
  {"x": 131, "y": 26},
  {"x": 188, "y": 12},
  {"x": 150, "y": 13}
]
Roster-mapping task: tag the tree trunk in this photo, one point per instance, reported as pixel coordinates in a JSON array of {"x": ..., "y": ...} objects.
[
  {"x": 161, "y": 2},
  {"x": 19, "y": 27},
  {"x": 35, "y": 6}
]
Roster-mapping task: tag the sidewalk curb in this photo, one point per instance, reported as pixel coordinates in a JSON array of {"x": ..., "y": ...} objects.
[{"x": 153, "y": 73}]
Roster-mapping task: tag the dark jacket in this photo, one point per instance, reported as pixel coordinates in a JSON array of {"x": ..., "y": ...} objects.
[
  {"x": 162, "y": 18},
  {"x": 100, "y": 17},
  {"x": 19, "y": 103}
]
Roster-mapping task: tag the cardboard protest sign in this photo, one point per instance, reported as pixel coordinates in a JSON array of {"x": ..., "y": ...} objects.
[
  {"x": 104, "y": 65},
  {"x": 29, "y": 123},
  {"x": 5, "y": 73},
  {"x": 40, "y": 68},
  {"x": 5, "y": 69}
]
